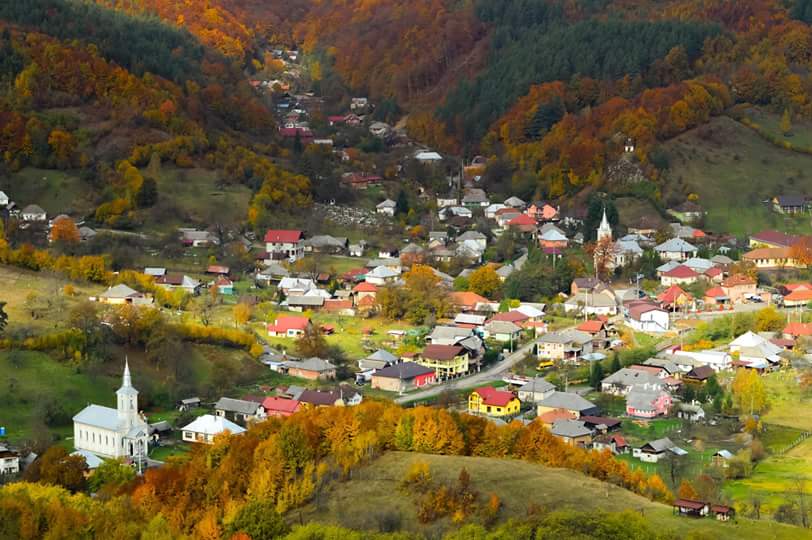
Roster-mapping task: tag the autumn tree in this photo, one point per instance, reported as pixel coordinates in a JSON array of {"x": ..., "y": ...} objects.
[
  {"x": 260, "y": 520},
  {"x": 57, "y": 467},
  {"x": 485, "y": 281},
  {"x": 801, "y": 251},
  {"x": 312, "y": 343},
  {"x": 786, "y": 123},
  {"x": 426, "y": 296},
  {"x": 749, "y": 393},
  {"x": 604, "y": 256},
  {"x": 64, "y": 230},
  {"x": 769, "y": 320},
  {"x": 687, "y": 491},
  {"x": 3, "y": 317},
  {"x": 63, "y": 145},
  {"x": 242, "y": 314}
]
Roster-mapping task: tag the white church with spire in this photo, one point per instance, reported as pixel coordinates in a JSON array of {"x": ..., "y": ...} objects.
[
  {"x": 113, "y": 433},
  {"x": 604, "y": 229}
]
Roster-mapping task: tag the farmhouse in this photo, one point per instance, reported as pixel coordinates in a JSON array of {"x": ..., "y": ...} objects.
[
  {"x": 284, "y": 244},
  {"x": 565, "y": 345},
  {"x": 492, "y": 402},
  {"x": 537, "y": 389},
  {"x": 447, "y": 361},
  {"x": 288, "y": 326},
  {"x": 653, "y": 451},
  {"x": 205, "y": 428},
  {"x": 676, "y": 249},
  {"x": 403, "y": 377},
  {"x": 279, "y": 406},
  {"x": 239, "y": 410},
  {"x": 312, "y": 369},
  {"x": 572, "y": 432},
  {"x": 122, "y": 294}
]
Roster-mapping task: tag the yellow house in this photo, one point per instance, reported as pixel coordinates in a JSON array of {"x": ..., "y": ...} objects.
[
  {"x": 447, "y": 361},
  {"x": 493, "y": 402}
]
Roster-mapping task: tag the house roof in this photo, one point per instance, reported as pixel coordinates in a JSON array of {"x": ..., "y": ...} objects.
[
  {"x": 776, "y": 238},
  {"x": 280, "y": 404},
  {"x": 492, "y": 396},
  {"x": 514, "y": 202},
  {"x": 566, "y": 336},
  {"x": 98, "y": 416},
  {"x": 513, "y": 316},
  {"x": 318, "y": 397},
  {"x": 553, "y": 236},
  {"x": 672, "y": 294},
  {"x": 289, "y": 322},
  {"x": 607, "y": 421},
  {"x": 721, "y": 259},
  {"x": 591, "y": 327},
  {"x": 521, "y": 220},
  {"x": 570, "y": 428},
  {"x": 120, "y": 291},
  {"x": 382, "y": 272},
  {"x": 715, "y": 292},
  {"x": 382, "y": 356},
  {"x": 209, "y": 424},
  {"x": 388, "y": 203},
  {"x": 236, "y": 405},
  {"x": 676, "y": 245},
  {"x": 466, "y": 298},
  {"x": 568, "y": 401},
  {"x": 468, "y": 318},
  {"x": 637, "y": 309},
  {"x": 642, "y": 398},
  {"x": 738, "y": 279},
  {"x": 681, "y": 271},
  {"x": 365, "y": 286},
  {"x": 217, "y": 269},
  {"x": 687, "y": 503},
  {"x": 799, "y": 295},
  {"x": 282, "y": 236},
  {"x": 442, "y": 352},
  {"x": 311, "y": 364},
  {"x": 700, "y": 373},
  {"x": 304, "y": 300},
  {"x": 631, "y": 377},
  {"x": 537, "y": 384},
  {"x": 403, "y": 371},
  {"x": 769, "y": 253},
  {"x": 502, "y": 327},
  {"x": 33, "y": 209},
  {"x": 798, "y": 329},
  {"x": 660, "y": 445}
]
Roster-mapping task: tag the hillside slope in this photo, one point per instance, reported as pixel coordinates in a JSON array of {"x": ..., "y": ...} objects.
[{"x": 372, "y": 496}]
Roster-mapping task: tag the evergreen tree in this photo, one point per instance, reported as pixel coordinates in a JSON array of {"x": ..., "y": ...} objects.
[
  {"x": 402, "y": 203},
  {"x": 596, "y": 375},
  {"x": 615, "y": 365}
]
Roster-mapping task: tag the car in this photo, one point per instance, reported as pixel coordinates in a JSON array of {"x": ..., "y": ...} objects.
[{"x": 544, "y": 364}]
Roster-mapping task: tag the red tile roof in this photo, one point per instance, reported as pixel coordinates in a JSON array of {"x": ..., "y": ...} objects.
[
  {"x": 681, "y": 271},
  {"x": 796, "y": 286},
  {"x": 737, "y": 280},
  {"x": 282, "y": 236},
  {"x": 715, "y": 292},
  {"x": 335, "y": 304},
  {"x": 713, "y": 271},
  {"x": 799, "y": 295},
  {"x": 288, "y": 322},
  {"x": 217, "y": 269},
  {"x": 466, "y": 299},
  {"x": 798, "y": 329},
  {"x": 281, "y": 405},
  {"x": 365, "y": 286},
  {"x": 492, "y": 396},
  {"x": 672, "y": 294},
  {"x": 556, "y": 414},
  {"x": 776, "y": 238},
  {"x": 521, "y": 220},
  {"x": 510, "y": 316},
  {"x": 591, "y": 327}
]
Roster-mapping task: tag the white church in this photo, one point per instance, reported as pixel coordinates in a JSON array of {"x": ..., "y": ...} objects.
[{"x": 113, "y": 433}]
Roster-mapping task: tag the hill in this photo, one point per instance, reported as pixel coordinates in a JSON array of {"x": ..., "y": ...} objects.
[
  {"x": 372, "y": 497},
  {"x": 733, "y": 170}
]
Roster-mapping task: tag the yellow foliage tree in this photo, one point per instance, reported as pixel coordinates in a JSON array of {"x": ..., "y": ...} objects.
[{"x": 749, "y": 393}]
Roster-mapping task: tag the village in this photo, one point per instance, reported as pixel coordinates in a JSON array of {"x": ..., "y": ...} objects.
[{"x": 431, "y": 290}]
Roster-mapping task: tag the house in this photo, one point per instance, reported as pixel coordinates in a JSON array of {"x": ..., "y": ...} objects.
[
  {"x": 654, "y": 451},
  {"x": 363, "y": 290},
  {"x": 297, "y": 302},
  {"x": 537, "y": 389},
  {"x": 387, "y": 207},
  {"x": 722, "y": 512},
  {"x": 449, "y": 212},
  {"x": 543, "y": 211},
  {"x": 114, "y": 433},
  {"x": 522, "y": 223},
  {"x": 646, "y": 316},
  {"x": 502, "y": 331},
  {"x": 428, "y": 157},
  {"x": 690, "y": 412},
  {"x": 122, "y": 294},
  {"x": 361, "y": 180},
  {"x": 621, "y": 382},
  {"x": 648, "y": 401},
  {"x": 475, "y": 197},
  {"x": 380, "y": 130},
  {"x": 378, "y": 360},
  {"x": 475, "y": 237},
  {"x": 492, "y": 402},
  {"x": 448, "y": 335},
  {"x": 224, "y": 285},
  {"x": 324, "y": 243},
  {"x": 296, "y": 286},
  {"x": 674, "y": 298},
  {"x": 699, "y": 374},
  {"x": 33, "y": 213},
  {"x": 188, "y": 404},
  {"x": 739, "y": 287},
  {"x": 772, "y": 239},
  {"x": 567, "y": 401},
  {"x": 238, "y": 410},
  {"x": 9, "y": 458},
  {"x": 680, "y": 275},
  {"x": 572, "y": 432},
  {"x": 288, "y": 326},
  {"x": 797, "y": 330},
  {"x": 584, "y": 285},
  {"x": 320, "y": 398},
  {"x": 553, "y": 238},
  {"x": 597, "y": 329},
  {"x": 687, "y": 507},
  {"x": 216, "y": 269},
  {"x": 626, "y": 252},
  {"x": 205, "y": 428},
  {"x": 402, "y": 377},
  {"x": 469, "y": 320},
  {"x": 721, "y": 458},
  {"x": 798, "y": 297},
  {"x": 284, "y": 244},
  {"x": 687, "y": 360},
  {"x": 676, "y": 249},
  {"x": 382, "y": 275},
  {"x": 195, "y": 238},
  {"x": 448, "y": 361},
  {"x": 179, "y": 281},
  {"x": 515, "y": 202},
  {"x": 613, "y": 442},
  {"x": 492, "y": 209},
  {"x": 565, "y": 345},
  {"x": 592, "y": 303},
  {"x": 755, "y": 351},
  {"x": 279, "y": 406},
  {"x": 312, "y": 369},
  {"x": 688, "y": 211},
  {"x": 467, "y": 301},
  {"x": 772, "y": 258}
]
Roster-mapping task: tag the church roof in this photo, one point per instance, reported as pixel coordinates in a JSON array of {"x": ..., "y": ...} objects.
[{"x": 98, "y": 416}]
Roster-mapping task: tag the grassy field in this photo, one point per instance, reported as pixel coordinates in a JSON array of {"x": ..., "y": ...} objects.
[
  {"x": 189, "y": 196},
  {"x": 800, "y": 135},
  {"x": 733, "y": 170},
  {"x": 786, "y": 401},
  {"x": 519, "y": 485},
  {"x": 57, "y": 192}
]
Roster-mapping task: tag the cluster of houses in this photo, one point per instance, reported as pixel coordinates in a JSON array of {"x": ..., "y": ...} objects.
[{"x": 218, "y": 276}]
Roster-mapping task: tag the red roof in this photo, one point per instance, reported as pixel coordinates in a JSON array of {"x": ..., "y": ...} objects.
[
  {"x": 217, "y": 269},
  {"x": 681, "y": 271},
  {"x": 715, "y": 292},
  {"x": 738, "y": 279},
  {"x": 713, "y": 271},
  {"x": 466, "y": 299},
  {"x": 282, "y": 236},
  {"x": 672, "y": 294},
  {"x": 354, "y": 274},
  {"x": 223, "y": 281},
  {"x": 492, "y": 396},
  {"x": 799, "y": 295},
  {"x": 796, "y": 286},
  {"x": 521, "y": 220},
  {"x": 775, "y": 238},
  {"x": 591, "y": 327},
  {"x": 365, "y": 286},
  {"x": 288, "y": 322},
  {"x": 303, "y": 133},
  {"x": 334, "y": 304},
  {"x": 281, "y": 405},
  {"x": 510, "y": 316},
  {"x": 698, "y": 234},
  {"x": 687, "y": 503},
  {"x": 798, "y": 329},
  {"x": 336, "y": 118},
  {"x": 556, "y": 414}
]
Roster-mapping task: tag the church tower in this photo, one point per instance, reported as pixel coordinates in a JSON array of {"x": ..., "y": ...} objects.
[
  {"x": 604, "y": 230},
  {"x": 127, "y": 399}
]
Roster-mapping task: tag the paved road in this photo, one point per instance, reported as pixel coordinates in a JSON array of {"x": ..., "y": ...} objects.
[{"x": 493, "y": 372}]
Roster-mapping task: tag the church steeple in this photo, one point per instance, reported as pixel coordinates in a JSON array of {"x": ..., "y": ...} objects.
[
  {"x": 604, "y": 230},
  {"x": 127, "y": 379},
  {"x": 127, "y": 397}
]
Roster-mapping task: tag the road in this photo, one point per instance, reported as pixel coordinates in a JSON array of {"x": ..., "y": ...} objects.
[{"x": 489, "y": 374}]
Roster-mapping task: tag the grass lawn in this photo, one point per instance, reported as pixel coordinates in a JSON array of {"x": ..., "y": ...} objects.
[
  {"x": 188, "y": 196},
  {"x": 518, "y": 484},
  {"x": 161, "y": 453},
  {"x": 799, "y": 136},
  {"x": 733, "y": 170},
  {"x": 787, "y": 401},
  {"x": 57, "y": 192}
]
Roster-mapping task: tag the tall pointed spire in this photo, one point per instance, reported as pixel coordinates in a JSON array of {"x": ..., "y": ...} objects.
[
  {"x": 127, "y": 379},
  {"x": 604, "y": 229}
]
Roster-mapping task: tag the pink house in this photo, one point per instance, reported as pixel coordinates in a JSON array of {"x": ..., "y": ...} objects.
[
  {"x": 648, "y": 401},
  {"x": 542, "y": 211}
]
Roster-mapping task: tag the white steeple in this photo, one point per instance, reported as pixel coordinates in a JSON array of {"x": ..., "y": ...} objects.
[
  {"x": 127, "y": 397},
  {"x": 604, "y": 230}
]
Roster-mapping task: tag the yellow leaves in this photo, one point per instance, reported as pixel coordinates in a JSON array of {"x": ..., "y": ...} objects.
[
  {"x": 63, "y": 146},
  {"x": 749, "y": 393},
  {"x": 242, "y": 314}
]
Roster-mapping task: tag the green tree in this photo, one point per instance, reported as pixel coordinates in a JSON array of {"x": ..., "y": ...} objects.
[
  {"x": 615, "y": 365},
  {"x": 57, "y": 467},
  {"x": 111, "y": 475},
  {"x": 402, "y": 203},
  {"x": 596, "y": 375},
  {"x": 3, "y": 317},
  {"x": 312, "y": 343},
  {"x": 259, "y": 520}
]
